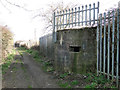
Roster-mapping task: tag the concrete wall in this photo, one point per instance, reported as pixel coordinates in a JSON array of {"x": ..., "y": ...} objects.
[{"x": 75, "y": 50}]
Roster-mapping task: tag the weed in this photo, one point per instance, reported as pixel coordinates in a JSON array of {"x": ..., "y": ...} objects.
[
  {"x": 29, "y": 86},
  {"x": 75, "y": 82},
  {"x": 92, "y": 85},
  {"x": 7, "y": 62},
  {"x": 63, "y": 75},
  {"x": 64, "y": 85},
  {"x": 14, "y": 69},
  {"x": 47, "y": 63},
  {"x": 21, "y": 53},
  {"x": 50, "y": 69},
  {"x": 97, "y": 81}
]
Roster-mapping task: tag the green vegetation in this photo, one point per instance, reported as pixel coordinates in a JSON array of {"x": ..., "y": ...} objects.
[
  {"x": 65, "y": 81},
  {"x": 90, "y": 80},
  {"x": 63, "y": 75},
  {"x": 93, "y": 85},
  {"x": 75, "y": 82},
  {"x": 46, "y": 64},
  {"x": 64, "y": 85},
  {"x": 7, "y": 62},
  {"x": 29, "y": 86},
  {"x": 14, "y": 69},
  {"x": 98, "y": 81}
]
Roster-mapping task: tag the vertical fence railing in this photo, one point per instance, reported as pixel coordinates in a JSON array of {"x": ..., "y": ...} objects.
[
  {"x": 117, "y": 70},
  {"x": 75, "y": 17},
  {"x": 108, "y": 45},
  {"x": 97, "y": 38}
]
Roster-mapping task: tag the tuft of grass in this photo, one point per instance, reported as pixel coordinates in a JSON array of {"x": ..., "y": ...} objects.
[
  {"x": 63, "y": 75},
  {"x": 7, "y": 62},
  {"x": 92, "y": 85},
  {"x": 50, "y": 69},
  {"x": 64, "y": 85},
  {"x": 14, "y": 69},
  {"x": 97, "y": 81},
  {"x": 29, "y": 86},
  {"x": 5, "y": 66},
  {"x": 75, "y": 82}
]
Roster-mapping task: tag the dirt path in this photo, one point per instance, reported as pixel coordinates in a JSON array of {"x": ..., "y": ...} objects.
[{"x": 27, "y": 74}]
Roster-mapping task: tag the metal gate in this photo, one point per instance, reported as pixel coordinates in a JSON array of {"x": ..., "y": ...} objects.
[{"x": 108, "y": 45}]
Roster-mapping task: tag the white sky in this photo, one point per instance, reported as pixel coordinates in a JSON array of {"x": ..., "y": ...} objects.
[{"x": 20, "y": 23}]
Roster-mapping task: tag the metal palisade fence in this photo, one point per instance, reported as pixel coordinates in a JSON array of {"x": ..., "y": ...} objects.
[
  {"x": 78, "y": 16},
  {"x": 108, "y": 45}
]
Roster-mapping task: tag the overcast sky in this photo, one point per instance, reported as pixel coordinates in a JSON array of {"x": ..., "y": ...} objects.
[{"x": 20, "y": 21}]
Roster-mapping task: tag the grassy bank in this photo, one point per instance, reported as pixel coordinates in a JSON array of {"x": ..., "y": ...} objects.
[{"x": 7, "y": 61}]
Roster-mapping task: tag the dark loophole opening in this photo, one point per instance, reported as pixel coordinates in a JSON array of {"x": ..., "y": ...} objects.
[{"x": 74, "y": 48}]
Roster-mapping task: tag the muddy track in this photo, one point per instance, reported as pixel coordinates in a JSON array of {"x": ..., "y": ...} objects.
[{"x": 27, "y": 74}]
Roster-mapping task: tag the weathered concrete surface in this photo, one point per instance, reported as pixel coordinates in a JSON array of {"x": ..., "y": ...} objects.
[
  {"x": 75, "y": 50},
  {"x": 28, "y": 74}
]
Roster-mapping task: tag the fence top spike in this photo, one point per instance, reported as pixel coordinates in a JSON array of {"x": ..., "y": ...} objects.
[
  {"x": 72, "y": 9},
  {"x": 66, "y": 10},
  {"x": 82, "y": 7},
  {"x": 75, "y": 8},
  {"x": 79, "y": 8},
  {"x": 98, "y": 4},
  {"x": 94, "y": 4},
  {"x": 69, "y": 9},
  {"x": 90, "y": 5},
  {"x": 86, "y": 6},
  {"x": 100, "y": 14}
]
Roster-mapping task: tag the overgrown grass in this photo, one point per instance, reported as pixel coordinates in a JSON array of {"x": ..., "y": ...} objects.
[
  {"x": 29, "y": 86},
  {"x": 74, "y": 82},
  {"x": 63, "y": 75},
  {"x": 64, "y": 85},
  {"x": 90, "y": 81},
  {"x": 64, "y": 81},
  {"x": 98, "y": 81},
  {"x": 7, "y": 62}
]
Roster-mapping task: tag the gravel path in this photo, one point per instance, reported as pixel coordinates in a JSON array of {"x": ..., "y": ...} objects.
[{"x": 27, "y": 75}]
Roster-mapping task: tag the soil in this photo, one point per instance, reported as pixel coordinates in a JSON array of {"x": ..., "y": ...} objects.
[{"x": 27, "y": 74}]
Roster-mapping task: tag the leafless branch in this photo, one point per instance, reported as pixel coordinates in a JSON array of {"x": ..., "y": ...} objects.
[
  {"x": 19, "y": 6},
  {"x": 5, "y": 6}
]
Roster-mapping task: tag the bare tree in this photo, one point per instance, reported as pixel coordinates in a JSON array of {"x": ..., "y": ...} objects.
[{"x": 46, "y": 15}]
